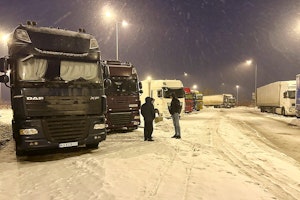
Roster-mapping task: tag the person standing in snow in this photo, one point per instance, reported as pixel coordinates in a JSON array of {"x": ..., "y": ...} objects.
[
  {"x": 148, "y": 113},
  {"x": 175, "y": 109}
]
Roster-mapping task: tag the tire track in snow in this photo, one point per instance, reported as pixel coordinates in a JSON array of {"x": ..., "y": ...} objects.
[{"x": 274, "y": 184}]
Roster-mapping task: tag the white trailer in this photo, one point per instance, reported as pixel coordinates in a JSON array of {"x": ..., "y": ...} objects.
[
  {"x": 277, "y": 97},
  {"x": 297, "y": 96},
  {"x": 161, "y": 91},
  {"x": 219, "y": 100}
]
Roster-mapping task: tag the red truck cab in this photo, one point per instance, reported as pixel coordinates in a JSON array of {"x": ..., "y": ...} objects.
[{"x": 189, "y": 101}]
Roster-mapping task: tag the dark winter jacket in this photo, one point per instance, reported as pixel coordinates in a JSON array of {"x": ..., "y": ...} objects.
[
  {"x": 175, "y": 106},
  {"x": 147, "y": 110}
]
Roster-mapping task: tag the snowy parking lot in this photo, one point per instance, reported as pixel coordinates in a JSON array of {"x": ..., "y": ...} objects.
[{"x": 231, "y": 154}]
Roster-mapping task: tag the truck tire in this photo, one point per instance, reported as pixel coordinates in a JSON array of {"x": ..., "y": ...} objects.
[
  {"x": 283, "y": 111},
  {"x": 92, "y": 145},
  {"x": 19, "y": 152}
]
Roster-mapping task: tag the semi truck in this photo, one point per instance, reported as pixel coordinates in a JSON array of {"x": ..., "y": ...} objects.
[
  {"x": 57, "y": 88},
  {"x": 219, "y": 100},
  {"x": 123, "y": 97},
  {"x": 198, "y": 100},
  {"x": 189, "y": 101},
  {"x": 161, "y": 91},
  {"x": 277, "y": 97}
]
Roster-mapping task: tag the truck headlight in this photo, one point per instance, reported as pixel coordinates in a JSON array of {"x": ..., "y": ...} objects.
[
  {"x": 99, "y": 126},
  {"x": 28, "y": 131},
  {"x": 137, "y": 117}
]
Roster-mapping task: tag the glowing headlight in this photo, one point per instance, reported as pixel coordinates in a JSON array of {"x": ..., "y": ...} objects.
[
  {"x": 133, "y": 105},
  {"x": 137, "y": 117},
  {"x": 99, "y": 126},
  {"x": 29, "y": 131}
]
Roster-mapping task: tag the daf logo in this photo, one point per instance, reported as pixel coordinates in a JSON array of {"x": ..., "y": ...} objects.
[
  {"x": 34, "y": 98},
  {"x": 94, "y": 98}
]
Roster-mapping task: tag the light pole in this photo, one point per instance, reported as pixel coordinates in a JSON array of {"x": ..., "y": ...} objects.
[
  {"x": 149, "y": 78},
  {"x": 250, "y": 62},
  {"x": 110, "y": 15},
  {"x": 124, "y": 24},
  {"x": 237, "y": 94}
]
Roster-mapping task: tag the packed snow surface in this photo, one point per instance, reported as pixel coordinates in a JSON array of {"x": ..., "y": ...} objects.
[{"x": 220, "y": 156}]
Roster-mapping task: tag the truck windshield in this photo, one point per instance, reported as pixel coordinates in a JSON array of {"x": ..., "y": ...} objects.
[
  {"x": 292, "y": 94},
  {"x": 189, "y": 96},
  {"x": 123, "y": 87},
  {"x": 39, "y": 70},
  {"x": 199, "y": 96},
  {"x": 168, "y": 92}
]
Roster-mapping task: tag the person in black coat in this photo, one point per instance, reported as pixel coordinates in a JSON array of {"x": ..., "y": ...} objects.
[
  {"x": 175, "y": 109},
  {"x": 148, "y": 113}
]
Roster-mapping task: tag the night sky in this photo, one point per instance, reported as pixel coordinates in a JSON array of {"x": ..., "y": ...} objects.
[{"x": 208, "y": 39}]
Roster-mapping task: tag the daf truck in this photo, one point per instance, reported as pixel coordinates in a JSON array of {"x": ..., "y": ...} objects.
[
  {"x": 57, "y": 88},
  {"x": 161, "y": 91},
  {"x": 123, "y": 97},
  {"x": 277, "y": 97}
]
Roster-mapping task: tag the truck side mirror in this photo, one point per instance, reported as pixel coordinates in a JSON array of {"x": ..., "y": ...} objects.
[
  {"x": 3, "y": 64},
  {"x": 107, "y": 83},
  {"x": 140, "y": 85},
  {"x": 106, "y": 72},
  {"x": 4, "y": 79}
]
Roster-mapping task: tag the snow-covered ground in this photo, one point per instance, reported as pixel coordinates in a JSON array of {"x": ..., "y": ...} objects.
[{"x": 220, "y": 156}]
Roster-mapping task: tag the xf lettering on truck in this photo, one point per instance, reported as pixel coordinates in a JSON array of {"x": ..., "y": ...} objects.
[
  {"x": 94, "y": 98},
  {"x": 34, "y": 98}
]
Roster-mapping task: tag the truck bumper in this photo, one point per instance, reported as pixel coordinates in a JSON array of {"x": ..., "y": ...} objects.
[{"x": 34, "y": 134}]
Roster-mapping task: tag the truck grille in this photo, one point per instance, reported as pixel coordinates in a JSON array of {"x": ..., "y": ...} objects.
[
  {"x": 120, "y": 118},
  {"x": 63, "y": 129}
]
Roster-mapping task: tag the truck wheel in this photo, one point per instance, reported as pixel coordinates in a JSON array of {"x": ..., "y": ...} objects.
[
  {"x": 19, "y": 152},
  {"x": 283, "y": 111},
  {"x": 92, "y": 145}
]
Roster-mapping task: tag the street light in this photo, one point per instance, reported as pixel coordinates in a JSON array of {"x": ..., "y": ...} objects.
[
  {"x": 250, "y": 62},
  {"x": 123, "y": 23},
  {"x": 4, "y": 37},
  {"x": 237, "y": 94},
  {"x": 195, "y": 87}
]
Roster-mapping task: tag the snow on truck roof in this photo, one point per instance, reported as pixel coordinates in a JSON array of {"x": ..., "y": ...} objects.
[
  {"x": 166, "y": 83},
  {"x": 55, "y": 31}
]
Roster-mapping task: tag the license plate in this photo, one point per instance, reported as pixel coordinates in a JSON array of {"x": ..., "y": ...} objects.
[{"x": 68, "y": 144}]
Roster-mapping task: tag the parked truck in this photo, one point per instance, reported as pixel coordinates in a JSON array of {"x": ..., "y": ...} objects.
[
  {"x": 198, "y": 100},
  {"x": 189, "y": 101},
  {"x": 57, "y": 88},
  {"x": 219, "y": 100},
  {"x": 277, "y": 97},
  {"x": 297, "y": 97},
  {"x": 123, "y": 97},
  {"x": 161, "y": 91}
]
